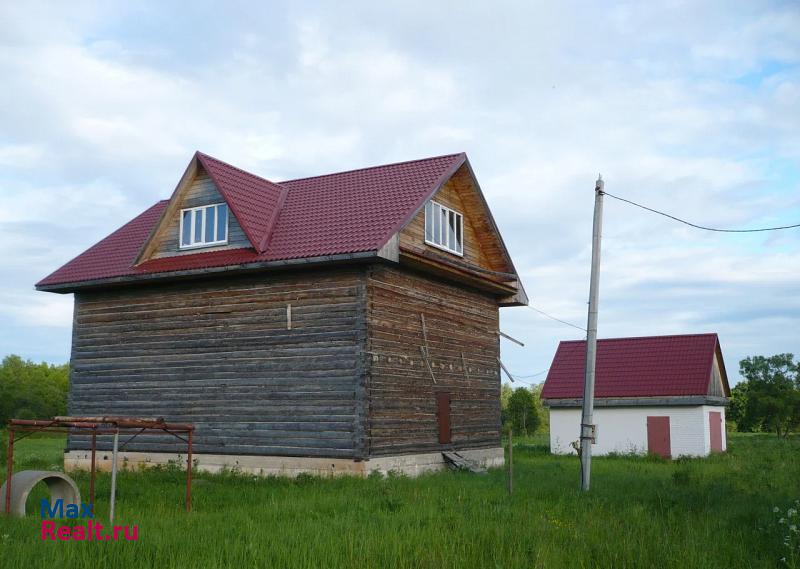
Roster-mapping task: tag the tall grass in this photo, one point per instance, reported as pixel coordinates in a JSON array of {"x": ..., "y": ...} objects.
[{"x": 641, "y": 512}]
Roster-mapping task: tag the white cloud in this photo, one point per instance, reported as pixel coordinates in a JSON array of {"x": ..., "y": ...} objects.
[
  {"x": 692, "y": 111},
  {"x": 49, "y": 311},
  {"x": 20, "y": 155}
]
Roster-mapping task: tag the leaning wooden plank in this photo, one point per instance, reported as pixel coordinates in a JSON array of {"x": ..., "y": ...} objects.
[
  {"x": 508, "y": 373},
  {"x": 427, "y": 363},
  {"x": 456, "y": 461},
  {"x": 507, "y": 337}
]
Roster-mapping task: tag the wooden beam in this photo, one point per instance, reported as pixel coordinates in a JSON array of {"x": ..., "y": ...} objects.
[
  {"x": 452, "y": 272},
  {"x": 507, "y": 337},
  {"x": 508, "y": 373},
  {"x": 427, "y": 363},
  {"x": 424, "y": 349}
]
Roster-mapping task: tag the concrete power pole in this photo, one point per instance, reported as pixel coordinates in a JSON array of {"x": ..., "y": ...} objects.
[{"x": 587, "y": 426}]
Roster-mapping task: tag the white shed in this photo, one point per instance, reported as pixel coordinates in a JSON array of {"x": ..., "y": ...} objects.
[{"x": 659, "y": 394}]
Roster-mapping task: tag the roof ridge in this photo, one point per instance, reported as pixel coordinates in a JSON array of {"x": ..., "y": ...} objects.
[
  {"x": 375, "y": 167},
  {"x": 644, "y": 337},
  {"x": 243, "y": 171}
]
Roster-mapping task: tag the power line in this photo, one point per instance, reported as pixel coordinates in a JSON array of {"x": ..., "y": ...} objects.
[
  {"x": 543, "y": 313},
  {"x": 538, "y": 373},
  {"x": 701, "y": 226},
  {"x": 528, "y": 383}
]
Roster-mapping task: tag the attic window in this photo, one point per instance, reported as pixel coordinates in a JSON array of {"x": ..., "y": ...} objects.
[
  {"x": 444, "y": 228},
  {"x": 204, "y": 226}
]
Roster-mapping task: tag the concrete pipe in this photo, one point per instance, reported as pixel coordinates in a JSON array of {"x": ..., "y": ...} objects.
[{"x": 61, "y": 487}]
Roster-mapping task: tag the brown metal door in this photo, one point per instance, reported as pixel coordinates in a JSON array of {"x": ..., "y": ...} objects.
[
  {"x": 443, "y": 416},
  {"x": 715, "y": 423},
  {"x": 658, "y": 441}
]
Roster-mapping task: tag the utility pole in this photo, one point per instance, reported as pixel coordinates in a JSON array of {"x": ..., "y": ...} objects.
[{"x": 587, "y": 427}]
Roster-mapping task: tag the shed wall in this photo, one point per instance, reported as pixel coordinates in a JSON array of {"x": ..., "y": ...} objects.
[
  {"x": 218, "y": 354},
  {"x": 624, "y": 429}
]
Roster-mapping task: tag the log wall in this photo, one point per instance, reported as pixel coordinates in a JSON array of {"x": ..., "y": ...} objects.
[
  {"x": 218, "y": 354},
  {"x": 401, "y": 392},
  {"x": 348, "y": 380}
]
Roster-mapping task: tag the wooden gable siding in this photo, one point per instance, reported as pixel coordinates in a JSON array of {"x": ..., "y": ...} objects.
[
  {"x": 715, "y": 387},
  {"x": 218, "y": 354},
  {"x": 401, "y": 393},
  {"x": 481, "y": 247},
  {"x": 202, "y": 191}
]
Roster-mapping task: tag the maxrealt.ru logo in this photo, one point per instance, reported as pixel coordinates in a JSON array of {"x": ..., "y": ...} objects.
[{"x": 91, "y": 531}]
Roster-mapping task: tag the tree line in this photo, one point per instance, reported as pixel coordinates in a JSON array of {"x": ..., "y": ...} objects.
[
  {"x": 768, "y": 397},
  {"x": 32, "y": 391}
]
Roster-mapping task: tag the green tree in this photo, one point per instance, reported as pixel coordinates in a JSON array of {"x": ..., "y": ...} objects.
[
  {"x": 737, "y": 408},
  {"x": 505, "y": 395},
  {"x": 541, "y": 411},
  {"x": 29, "y": 390},
  {"x": 522, "y": 415},
  {"x": 773, "y": 392}
]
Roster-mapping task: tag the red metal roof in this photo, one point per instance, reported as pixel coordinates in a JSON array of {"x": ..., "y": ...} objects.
[
  {"x": 348, "y": 212},
  {"x": 649, "y": 366},
  {"x": 253, "y": 200}
]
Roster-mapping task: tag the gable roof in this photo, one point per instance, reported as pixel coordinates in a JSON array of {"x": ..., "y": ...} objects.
[
  {"x": 351, "y": 213},
  {"x": 649, "y": 366},
  {"x": 254, "y": 201}
]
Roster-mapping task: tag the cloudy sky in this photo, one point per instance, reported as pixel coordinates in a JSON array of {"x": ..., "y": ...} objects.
[{"x": 689, "y": 107}]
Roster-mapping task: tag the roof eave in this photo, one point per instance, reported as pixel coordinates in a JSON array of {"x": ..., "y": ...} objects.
[
  {"x": 305, "y": 262},
  {"x": 644, "y": 401}
]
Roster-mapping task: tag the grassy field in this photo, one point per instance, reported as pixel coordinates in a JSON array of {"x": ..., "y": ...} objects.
[{"x": 641, "y": 512}]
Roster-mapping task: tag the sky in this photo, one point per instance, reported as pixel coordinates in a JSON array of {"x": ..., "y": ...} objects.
[{"x": 692, "y": 108}]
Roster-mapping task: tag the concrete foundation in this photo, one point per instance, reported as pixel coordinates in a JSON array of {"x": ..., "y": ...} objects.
[{"x": 410, "y": 465}]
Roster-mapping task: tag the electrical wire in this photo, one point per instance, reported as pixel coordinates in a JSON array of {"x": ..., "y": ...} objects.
[
  {"x": 531, "y": 375},
  {"x": 515, "y": 379},
  {"x": 543, "y": 313},
  {"x": 760, "y": 229}
]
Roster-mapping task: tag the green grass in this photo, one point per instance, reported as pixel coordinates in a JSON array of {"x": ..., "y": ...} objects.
[{"x": 641, "y": 512}]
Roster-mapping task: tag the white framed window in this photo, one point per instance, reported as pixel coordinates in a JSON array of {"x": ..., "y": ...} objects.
[
  {"x": 444, "y": 228},
  {"x": 204, "y": 226}
]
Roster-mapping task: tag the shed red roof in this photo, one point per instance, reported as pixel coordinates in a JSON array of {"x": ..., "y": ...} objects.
[
  {"x": 348, "y": 212},
  {"x": 649, "y": 366}
]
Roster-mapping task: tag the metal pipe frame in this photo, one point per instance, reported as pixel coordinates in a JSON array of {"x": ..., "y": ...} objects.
[{"x": 93, "y": 426}]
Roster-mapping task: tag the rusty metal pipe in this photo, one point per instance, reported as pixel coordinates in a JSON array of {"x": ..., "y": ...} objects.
[
  {"x": 94, "y": 426},
  {"x": 189, "y": 475},
  {"x": 94, "y": 469},
  {"x": 10, "y": 460},
  {"x": 109, "y": 419}
]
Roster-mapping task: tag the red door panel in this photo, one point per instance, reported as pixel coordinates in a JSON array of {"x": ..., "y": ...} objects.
[
  {"x": 658, "y": 440},
  {"x": 443, "y": 416},
  {"x": 715, "y": 423}
]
